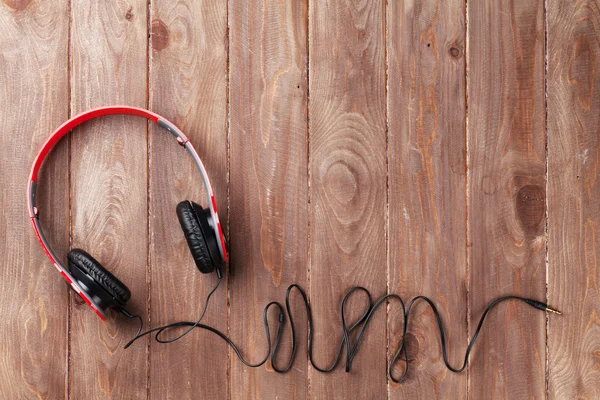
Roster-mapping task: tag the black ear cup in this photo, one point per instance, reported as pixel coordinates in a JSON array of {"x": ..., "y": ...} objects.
[
  {"x": 200, "y": 237},
  {"x": 104, "y": 288}
]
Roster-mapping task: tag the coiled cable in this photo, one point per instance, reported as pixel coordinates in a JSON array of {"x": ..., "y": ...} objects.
[{"x": 345, "y": 342}]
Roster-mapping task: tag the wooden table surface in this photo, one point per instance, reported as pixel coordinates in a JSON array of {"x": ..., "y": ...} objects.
[{"x": 444, "y": 148}]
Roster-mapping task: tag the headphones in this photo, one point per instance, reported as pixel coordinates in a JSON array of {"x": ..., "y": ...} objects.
[{"x": 100, "y": 289}]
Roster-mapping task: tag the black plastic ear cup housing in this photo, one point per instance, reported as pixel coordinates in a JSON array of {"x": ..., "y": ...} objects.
[
  {"x": 200, "y": 237},
  {"x": 104, "y": 288}
]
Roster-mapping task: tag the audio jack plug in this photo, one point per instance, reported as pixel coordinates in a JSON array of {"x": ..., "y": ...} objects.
[{"x": 542, "y": 306}]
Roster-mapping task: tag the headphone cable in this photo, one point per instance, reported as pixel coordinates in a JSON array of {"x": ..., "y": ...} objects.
[
  {"x": 345, "y": 342},
  {"x": 161, "y": 329}
]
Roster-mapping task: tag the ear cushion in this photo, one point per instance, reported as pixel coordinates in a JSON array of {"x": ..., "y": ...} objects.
[
  {"x": 194, "y": 235},
  {"x": 106, "y": 280}
]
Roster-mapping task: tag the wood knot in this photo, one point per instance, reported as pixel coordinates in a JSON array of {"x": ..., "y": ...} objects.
[
  {"x": 411, "y": 346},
  {"x": 129, "y": 15},
  {"x": 17, "y": 5},
  {"x": 531, "y": 207},
  {"x": 342, "y": 182},
  {"x": 79, "y": 302},
  {"x": 454, "y": 52},
  {"x": 160, "y": 35}
]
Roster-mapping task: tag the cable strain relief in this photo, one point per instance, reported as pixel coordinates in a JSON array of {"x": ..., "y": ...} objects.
[{"x": 536, "y": 304}]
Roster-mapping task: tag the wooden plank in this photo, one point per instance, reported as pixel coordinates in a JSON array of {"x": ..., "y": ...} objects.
[
  {"x": 574, "y": 201},
  {"x": 109, "y": 191},
  {"x": 269, "y": 185},
  {"x": 34, "y": 301},
  {"x": 507, "y": 195},
  {"x": 348, "y": 179},
  {"x": 427, "y": 188},
  {"x": 188, "y": 85}
]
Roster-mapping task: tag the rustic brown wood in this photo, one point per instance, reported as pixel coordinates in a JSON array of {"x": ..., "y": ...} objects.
[
  {"x": 188, "y": 85},
  {"x": 108, "y": 178},
  {"x": 574, "y": 198},
  {"x": 269, "y": 186},
  {"x": 33, "y": 297},
  {"x": 466, "y": 197},
  {"x": 348, "y": 182},
  {"x": 507, "y": 195},
  {"x": 427, "y": 187}
]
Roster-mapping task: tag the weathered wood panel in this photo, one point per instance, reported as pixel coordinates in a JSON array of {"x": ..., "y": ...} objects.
[
  {"x": 109, "y": 191},
  {"x": 188, "y": 85},
  {"x": 507, "y": 195},
  {"x": 466, "y": 197},
  {"x": 34, "y": 93},
  {"x": 347, "y": 116},
  {"x": 427, "y": 188},
  {"x": 574, "y": 198},
  {"x": 269, "y": 187}
]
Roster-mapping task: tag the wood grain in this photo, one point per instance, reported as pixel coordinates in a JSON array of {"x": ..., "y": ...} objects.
[
  {"x": 574, "y": 201},
  {"x": 427, "y": 188},
  {"x": 188, "y": 85},
  {"x": 348, "y": 182},
  {"x": 469, "y": 201},
  {"x": 269, "y": 186},
  {"x": 507, "y": 195},
  {"x": 108, "y": 177},
  {"x": 33, "y": 102}
]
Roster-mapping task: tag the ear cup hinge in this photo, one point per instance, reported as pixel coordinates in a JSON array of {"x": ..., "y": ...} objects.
[{"x": 181, "y": 138}]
